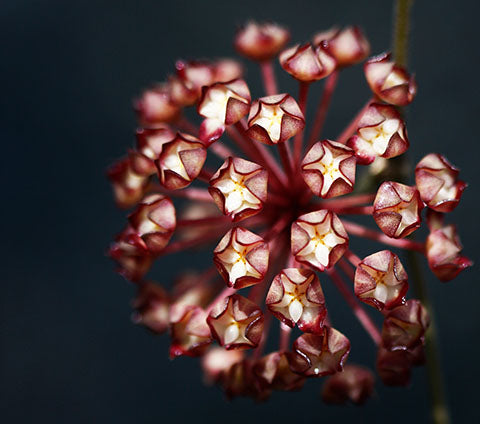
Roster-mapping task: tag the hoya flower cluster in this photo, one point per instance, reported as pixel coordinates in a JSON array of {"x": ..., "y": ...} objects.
[{"x": 274, "y": 207}]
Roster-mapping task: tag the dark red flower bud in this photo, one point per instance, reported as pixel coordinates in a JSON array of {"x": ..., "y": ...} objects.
[
  {"x": 274, "y": 119},
  {"x": 273, "y": 372},
  {"x": 394, "y": 367},
  {"x": 353, "y": 384},
  {"x": 189, "y": 331},
  {"x": 381, "y": 133},
  {"x": 131, "y": 254},
  {"x": 404, "y": 327},
  {"x": 318, "y": 239},
  {"x": 239, "y": 188},
  {"x": 296, "y": 297},
  {"x": 149, "y": 147},
  {"x": 154, "y": 221},
  {"x": 240, "y": 380},
  {"x": 390, "y": 82},
  {"x": 241, "y": 258},
  {"x": 397, "y": 208},
  {"x": 222, "y": 104},
  {"x": 444, "y": 250},
  {"x": 128, "y": 186},
  {"x": 308, "y": 63},
  {"x": 152, "y": 307},
  {"x": 218, "y": 361},
  {"x": 261, "y": 41},
  {"x": 236, "y": 322},
  {"x": 156, "y": 106},
  {"x": 348, "y": 45},
  {"x": 318, "y": 355},
  {"x": 438, "y": 184},
  {"x": 181, "y": 161},
  {"x": 329, "y": 169},
  {"x": 381, "y": 280}
]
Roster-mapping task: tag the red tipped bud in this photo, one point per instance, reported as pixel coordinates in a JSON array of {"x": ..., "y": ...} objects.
[
  {"x": 381, "y": 280},
  {"x": 397, "y": 208},
  {"x": 181, "y": 161},
  {"x": 438, "y": 184},
  {"x": 189, "y": 330},
  {"x": 381, "y": 133},
  {"x": 273, "y": 372},
  {"x": 149, "y": 147},
  {"x": 353, "y": 384},
  {"x": 318, "y": 355},
  {"x": 154, "y": 221},
  {"x": 318, "y": 239},
  {"x": 404, "y": 327},
  {"x": 241, "y": 258},
  {"x": 296, "y": 297},
  {"x": 261, "y": 42},
  {"x": 239, "y": 188},
  {"x": 444, "y": 250},
  {"x": 222, "y": 104},
  {"x": 152, "y": 307},
  {"x": 390, "y": 82},
  {"x": 236, "y": 322},
  {"x": 128, "y": 186},
  {"x": 274, "y": 119},
  {"x": 308, "y": 63},
  {"x": 329, "y": 169},
  {"x": 348, "y": 45},
  {"x": 217, "y": 361},
  {"x": 131, "y": 254},
  {"x": 156, "y": 106}
]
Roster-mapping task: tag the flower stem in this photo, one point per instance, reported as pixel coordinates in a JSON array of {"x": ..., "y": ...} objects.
[
  {"x": 361, "y": 231},
  {"x": 352, "y": 126},
  {"x": 361, "y": 315},
  {"x": 347, "y": 201},
  {"x": 285, "y": 331},
  {"x": 257, "y": 153},
  {"x": 302, "y": 102},
  {"x": 321, "y": 114},
  {"x": 268, "y": 76},
  {"x": 191, "y": 193},
  {"x": 402, "y": 28}
]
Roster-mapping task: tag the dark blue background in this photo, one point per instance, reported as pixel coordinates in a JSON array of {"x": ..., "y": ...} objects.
[{"x": 69, "y": 352}]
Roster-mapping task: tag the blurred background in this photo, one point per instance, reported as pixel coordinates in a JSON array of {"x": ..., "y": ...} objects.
[{"x": 69, "y": 352}]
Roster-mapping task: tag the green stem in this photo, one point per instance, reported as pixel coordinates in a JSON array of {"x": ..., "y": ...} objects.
[
  {"x": 402, "y": 28},
  {"x": 440, "y": 413}
]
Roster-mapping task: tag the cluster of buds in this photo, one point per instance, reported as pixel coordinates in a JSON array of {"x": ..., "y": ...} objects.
[{"x": 281, "y": 229}]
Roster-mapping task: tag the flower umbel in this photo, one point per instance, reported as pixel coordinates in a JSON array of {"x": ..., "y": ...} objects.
[{"x": 281, "y": 229}]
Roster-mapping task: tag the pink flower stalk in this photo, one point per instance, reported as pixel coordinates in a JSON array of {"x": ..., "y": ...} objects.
[{"x": 295, "y": 216}]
